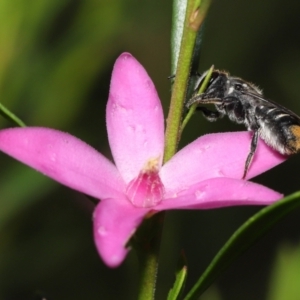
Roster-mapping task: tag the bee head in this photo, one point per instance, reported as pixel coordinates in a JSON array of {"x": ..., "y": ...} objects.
[
  {"x": 236, "y": 87},
  {"x": 222, "y": 85},
  {"x": 216, "y": 87}
]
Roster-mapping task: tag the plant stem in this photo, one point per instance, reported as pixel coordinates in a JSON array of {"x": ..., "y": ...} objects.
[
  {"x": 190, "y": 30},
  {"x": 149, "y": 236},
  {"x": 149, "y": 246}
]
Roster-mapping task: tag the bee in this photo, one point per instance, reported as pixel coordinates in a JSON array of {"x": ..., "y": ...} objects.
[{"x": 244, "y": 103}]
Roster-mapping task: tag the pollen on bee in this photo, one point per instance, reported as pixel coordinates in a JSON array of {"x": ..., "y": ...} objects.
[{"x": 295, "y": 129}]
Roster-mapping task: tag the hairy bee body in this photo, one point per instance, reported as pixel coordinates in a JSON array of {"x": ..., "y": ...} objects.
[
  {"x": 244, "y": 103},
  {"x": 279, "y": 130}
]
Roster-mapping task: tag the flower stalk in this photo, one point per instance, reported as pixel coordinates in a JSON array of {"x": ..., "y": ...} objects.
[
  {"x": 193, "y": 20},
  {"x": 149, "y": 260}
]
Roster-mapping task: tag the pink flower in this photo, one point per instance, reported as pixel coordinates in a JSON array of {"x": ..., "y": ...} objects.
[{"x": 205, "y": 174}]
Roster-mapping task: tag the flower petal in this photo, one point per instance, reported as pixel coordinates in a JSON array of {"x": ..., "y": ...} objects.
[
  {"x": 64, "y": 158},
  {"x": 114, "y": 223},
  {"x": 221, "y": 192},
  {"x": 216, "y": 155},
  {"x": 134, "y": 116}
]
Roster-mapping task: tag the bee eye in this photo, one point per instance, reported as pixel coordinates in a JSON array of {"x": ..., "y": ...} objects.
[{"x": 238, "y": 87}]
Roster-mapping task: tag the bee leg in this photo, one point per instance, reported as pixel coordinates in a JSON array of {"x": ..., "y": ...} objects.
[
  {"x": 252, "y": 152},
  {"x": 199, "y": 100},
  {"x": 210, "y": 115}
]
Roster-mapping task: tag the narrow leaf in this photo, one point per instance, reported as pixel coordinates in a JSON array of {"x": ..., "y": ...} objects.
[
  {"x": 180, "y": 279},
  {"x": 6, "y": 113},
  {"x": 201, "y": 90},
  {"x": 242, "y": 239}
]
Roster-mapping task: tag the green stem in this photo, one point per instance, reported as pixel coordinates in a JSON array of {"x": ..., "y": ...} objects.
[
  {"x": 10, "y": 116},
  {"x": 150, "y": 240},
  {"x": 148, "y": 245},
  {"x": 193, "y": 20}
]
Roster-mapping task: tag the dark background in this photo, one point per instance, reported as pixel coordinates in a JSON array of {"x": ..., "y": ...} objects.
[{"x": 56, "y": 58}]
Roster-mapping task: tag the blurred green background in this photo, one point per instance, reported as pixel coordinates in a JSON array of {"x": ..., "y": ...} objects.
[{"x": 56, "y": 58}]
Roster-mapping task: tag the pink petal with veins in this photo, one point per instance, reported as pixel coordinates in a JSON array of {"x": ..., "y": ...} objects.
[
  {"x": 114, "y": 224},
  {"x": 216, "y": 155},
  {"x": 134, "y": 116},
  {"x": 221, "y": 192},
  {"x": 63, "y": 158}
]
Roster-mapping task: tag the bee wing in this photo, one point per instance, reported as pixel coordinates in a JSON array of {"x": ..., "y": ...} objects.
[{"x": 267, "y": 101}]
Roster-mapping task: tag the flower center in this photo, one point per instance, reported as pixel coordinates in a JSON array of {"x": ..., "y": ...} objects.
[{"x": 146, "y": 190}]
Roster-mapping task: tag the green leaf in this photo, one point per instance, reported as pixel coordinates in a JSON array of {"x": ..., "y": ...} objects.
[
  {"x": 179, "y": 9},
  {"x": 201, "y": 90},
  {"x": 242, "y": 239},
  {"x": 180, "y": 279}
]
